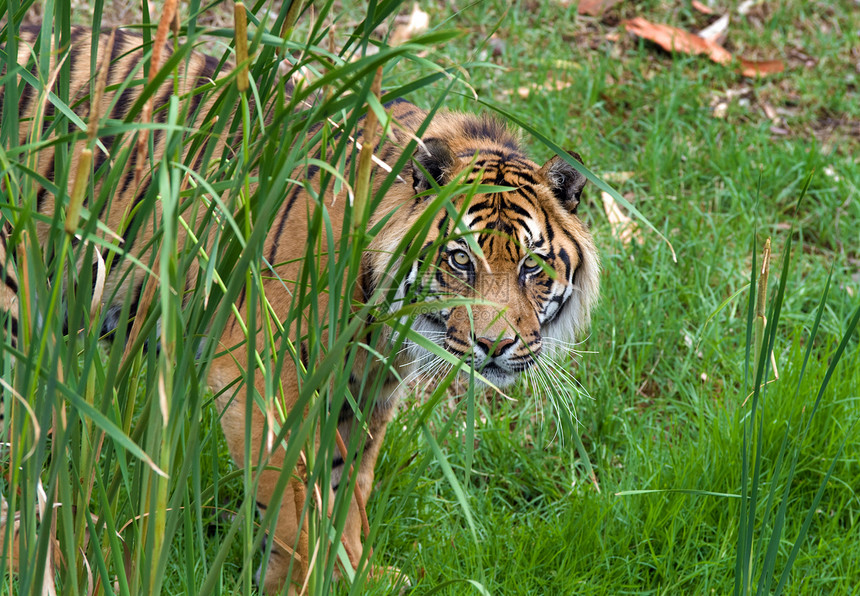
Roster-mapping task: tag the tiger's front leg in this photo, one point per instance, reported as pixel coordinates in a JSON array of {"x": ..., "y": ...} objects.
[
  {"x": 290, "y": 552},
  {"x": 354, "y": 530}
]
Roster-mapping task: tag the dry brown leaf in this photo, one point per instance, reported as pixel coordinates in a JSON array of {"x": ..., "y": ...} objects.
[
  {"x": 623, "y": 228},
  {"x": 756, "y": 68},
  {"x": 702, "y": 8},
  {"x": 673, "y": 39},
  {"x": 410, "y": 25},
  {"x": 595, "y": 8}
]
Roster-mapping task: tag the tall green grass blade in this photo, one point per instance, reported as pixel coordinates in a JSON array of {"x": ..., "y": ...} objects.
[
  {"x": 834, "y": 360},
  {"x": 810, "y": 514},
  {"x": 744, "y": 543}
]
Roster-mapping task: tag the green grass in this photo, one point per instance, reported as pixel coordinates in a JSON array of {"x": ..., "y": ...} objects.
[{"x": 668, "y": 425}]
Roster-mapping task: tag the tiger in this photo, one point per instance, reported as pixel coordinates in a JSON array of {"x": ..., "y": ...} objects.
[{"x": 500, "y": 289}]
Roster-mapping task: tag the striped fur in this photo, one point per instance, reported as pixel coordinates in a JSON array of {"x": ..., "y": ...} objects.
[{"x": 535, "y": 278}]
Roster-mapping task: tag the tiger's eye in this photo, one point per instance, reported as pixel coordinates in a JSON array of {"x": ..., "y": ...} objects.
[
  {"x": 460, "y": 258},
  {"x": 530, "y": 264}
]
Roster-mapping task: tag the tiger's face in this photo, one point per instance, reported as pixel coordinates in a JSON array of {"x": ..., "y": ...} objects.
[{"x": 522, "y": 260}]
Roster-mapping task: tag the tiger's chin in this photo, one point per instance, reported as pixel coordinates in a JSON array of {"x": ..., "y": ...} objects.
[{"x": 497, "y": 376}]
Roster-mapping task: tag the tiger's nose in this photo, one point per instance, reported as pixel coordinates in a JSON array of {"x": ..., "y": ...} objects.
[{"x": 494, "y": 348}]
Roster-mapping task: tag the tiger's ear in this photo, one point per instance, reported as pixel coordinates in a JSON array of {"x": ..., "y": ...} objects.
[
  {"x": 565, "y": 181},
  {"x": 436, "y": 159}
]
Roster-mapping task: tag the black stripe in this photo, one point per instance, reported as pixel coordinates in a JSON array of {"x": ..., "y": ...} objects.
[
  {"x": 74, "y": 50},
  {"x": 550, "y": 232},
  {"x": 346, "y": 414},
  {"x": 195, "y": 99},
  {"x": 77, "y": 33},
  {"x": 26, "y": 95},
  {"x": 525, "y": 175},
  {"x": 512, "y": 250},
  {"x": 579, "y": 264},
  {"x": 40, "y": 196},
  {"x": 119, "y": 42},
  {"x": 9, "y": 280},
  {"x": 101, "y": 156},
  {"x": 436, "y": 317},
  {"x": 456, "y": 351},
  {"x": 394, "y": 102},
  {"x": 126, "y": 98},
  {"x": 210, "y": 66},
  {"x": 303, "y": 354},
  {"x": 509, "y": 206},
  {"x": 198, "y": 161},
  {"x": 129, "y": 174},
  {"x": 564, "y": 258},
  {"x": 81, "y": 101},
  {"x": 108, "y": 329},
  {"x": 141, "y": 194},
  {"x": 276, "y": 239},
  {"x": 47, "y": 118},
  {"x": 458, "y": 340},
  {"x": 13, "y": 326},
  {"x": 123, "y": 101},
  {"x": 514, "y": 161},
  {"x": 529, "y": 191},
  {"x": 489, "y": 129},
  {"x": 365, "y": 278},
  {"x": 2, "y": 87},
  {"x": 161, "y": 111},
  {"x": 160, "y": 105}
]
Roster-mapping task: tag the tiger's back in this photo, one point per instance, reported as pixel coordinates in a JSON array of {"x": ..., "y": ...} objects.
[{"x": 122, "y": 57}]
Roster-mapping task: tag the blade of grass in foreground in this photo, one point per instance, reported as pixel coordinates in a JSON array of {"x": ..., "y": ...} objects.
[{"x": 751, "y": 516}]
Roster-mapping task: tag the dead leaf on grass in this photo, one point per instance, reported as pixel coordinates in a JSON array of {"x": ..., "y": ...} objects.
[
  {"x": 673, "y": 39},
  {"x": 623, "y": 228},
  {"x": 759, "y": 68},
  {"x": 595, "y": 8}
]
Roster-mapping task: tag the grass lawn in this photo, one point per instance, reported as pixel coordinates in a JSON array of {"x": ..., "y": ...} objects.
[
  {"x": 666, "y": 367},
  {"x": 704, "y": 481}
]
